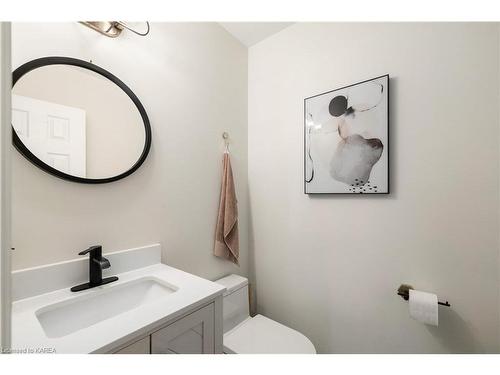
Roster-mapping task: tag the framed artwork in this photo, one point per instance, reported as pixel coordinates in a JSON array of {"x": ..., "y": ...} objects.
[{"x": 346, "y": 139}]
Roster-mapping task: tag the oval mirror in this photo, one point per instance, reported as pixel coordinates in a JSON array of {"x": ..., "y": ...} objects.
[{"x": 77, "y": 121}]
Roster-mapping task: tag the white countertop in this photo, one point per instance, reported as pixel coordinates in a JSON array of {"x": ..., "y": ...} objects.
[{"x": 101, "y": 337}]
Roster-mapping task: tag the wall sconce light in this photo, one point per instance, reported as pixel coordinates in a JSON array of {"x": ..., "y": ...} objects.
[{"x": 113, "y": 28}]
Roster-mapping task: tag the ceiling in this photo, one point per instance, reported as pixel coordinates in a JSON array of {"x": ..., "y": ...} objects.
[{"x": 250, "y": 33}]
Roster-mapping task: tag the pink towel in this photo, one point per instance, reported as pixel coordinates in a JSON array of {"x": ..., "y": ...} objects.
[{"x": 226, "y": 232}]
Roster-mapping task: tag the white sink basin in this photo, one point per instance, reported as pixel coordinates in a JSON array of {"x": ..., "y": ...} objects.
[{"x": 63, "y": 318}]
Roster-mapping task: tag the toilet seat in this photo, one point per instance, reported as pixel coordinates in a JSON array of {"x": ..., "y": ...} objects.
[{"x": 261, "y": 335}]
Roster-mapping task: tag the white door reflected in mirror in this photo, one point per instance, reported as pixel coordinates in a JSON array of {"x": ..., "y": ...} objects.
[{"x": 53, "y": 132}]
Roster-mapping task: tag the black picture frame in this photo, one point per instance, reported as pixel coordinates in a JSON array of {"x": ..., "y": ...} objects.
[
  {"x": 59, "y": 60},
  {"x": 388, "y": 139}
]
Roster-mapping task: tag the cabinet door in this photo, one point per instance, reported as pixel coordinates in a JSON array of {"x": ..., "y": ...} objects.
[
  {"x": 139, "y": 347},
  {"x": 192, "y": 334}
]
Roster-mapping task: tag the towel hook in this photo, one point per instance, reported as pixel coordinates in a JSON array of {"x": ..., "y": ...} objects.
[{"x": 225, "y": 136}]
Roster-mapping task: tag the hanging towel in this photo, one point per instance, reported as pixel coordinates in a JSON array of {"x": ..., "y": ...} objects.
[{"x": 226, "y": 232}]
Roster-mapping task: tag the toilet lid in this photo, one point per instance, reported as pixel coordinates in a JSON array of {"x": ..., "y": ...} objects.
[{"x": 261, "y": 335}]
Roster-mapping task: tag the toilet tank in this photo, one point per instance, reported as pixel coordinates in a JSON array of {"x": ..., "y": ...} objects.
[{"x": 235, "y": 302}]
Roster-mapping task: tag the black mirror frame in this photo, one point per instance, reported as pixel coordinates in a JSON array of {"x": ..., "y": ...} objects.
[{"x": 57, "y": 60}]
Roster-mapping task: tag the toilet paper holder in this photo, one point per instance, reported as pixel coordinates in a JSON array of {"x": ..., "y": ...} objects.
[{"x": 404, "y": 291}]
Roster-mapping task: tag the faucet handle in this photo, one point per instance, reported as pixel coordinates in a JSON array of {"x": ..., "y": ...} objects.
[
  {"x": 104, "y": 263},
  {"x": 91, "y": 249}
]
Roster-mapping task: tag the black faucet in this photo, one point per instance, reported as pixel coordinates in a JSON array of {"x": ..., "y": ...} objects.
[{"x": 96, "y": 264}]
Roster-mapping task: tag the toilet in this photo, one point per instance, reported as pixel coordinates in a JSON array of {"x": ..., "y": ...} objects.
[{"x": 258, "y": 335}]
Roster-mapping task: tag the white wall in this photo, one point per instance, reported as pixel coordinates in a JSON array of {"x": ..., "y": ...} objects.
[
  {"x": 5, "y": 188},
  {"x": 192, "y": 80},
  {"x": 330, "y": 265}
]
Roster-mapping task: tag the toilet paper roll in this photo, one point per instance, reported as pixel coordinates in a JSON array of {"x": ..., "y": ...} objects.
[{"x": 424, "y": 307}]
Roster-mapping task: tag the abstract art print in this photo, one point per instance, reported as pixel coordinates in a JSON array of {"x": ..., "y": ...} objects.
[{"x": 346, "y": 145}]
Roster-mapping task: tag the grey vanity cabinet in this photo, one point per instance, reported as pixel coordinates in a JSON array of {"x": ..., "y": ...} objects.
[
  {"x": 141, "y": 346},
  {"x": 197, "y": 332},
  {"x": 193, "y": 334}
]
